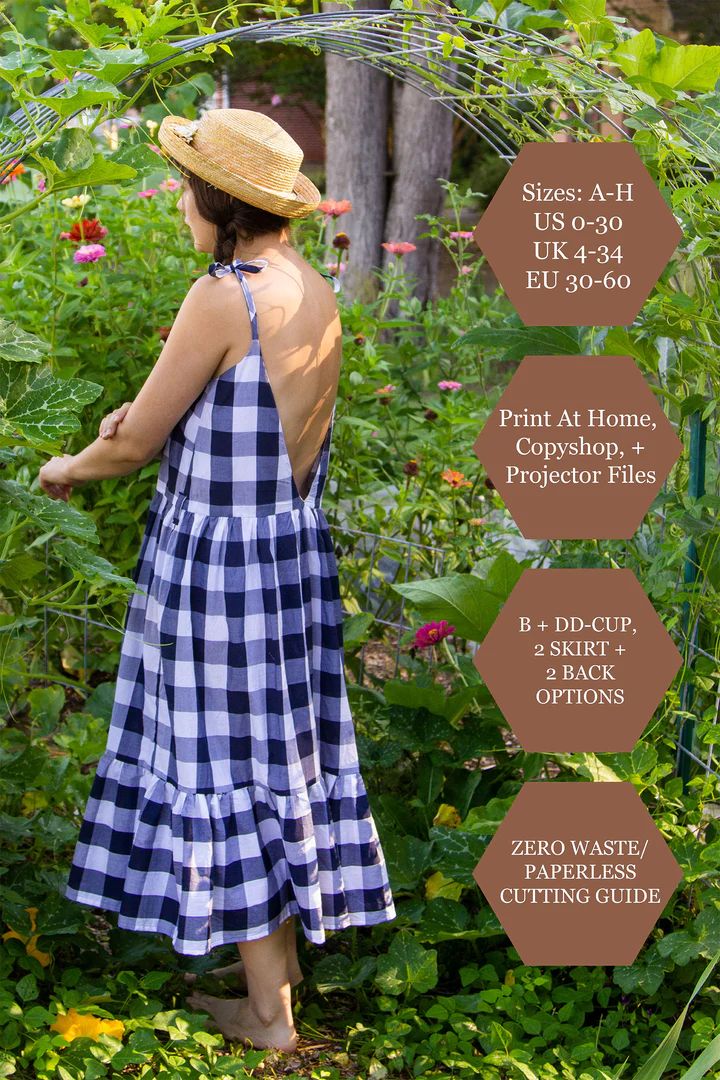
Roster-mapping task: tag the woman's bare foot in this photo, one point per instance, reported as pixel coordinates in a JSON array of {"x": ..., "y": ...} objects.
[
  {"x": 236, "y": 1019},
  {"x": 236, "y": 971}
]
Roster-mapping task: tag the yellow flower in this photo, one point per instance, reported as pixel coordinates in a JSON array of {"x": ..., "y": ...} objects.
[
  {"x": 30, "y": 943},
  {"x": 74, "y": 1025},
  {"x": 438, "y": 885},
  {"x": 33, "y": 800},
  {"x": 447, "y": 815},
  {"x": 74, "y": 201}
]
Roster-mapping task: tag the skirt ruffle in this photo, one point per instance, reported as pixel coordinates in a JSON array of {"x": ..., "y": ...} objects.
[{"x": 210, "y": 869}]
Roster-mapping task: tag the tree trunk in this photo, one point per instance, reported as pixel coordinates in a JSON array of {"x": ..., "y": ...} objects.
[
  {"x": 422, "y": 142},
  {"x": 356, "y": 122}
]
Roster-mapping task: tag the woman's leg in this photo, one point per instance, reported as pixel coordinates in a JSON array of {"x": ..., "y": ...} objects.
[
  {"x": 294, "y": 970},
  {"x": 265, "y": 1015},
  {"x": 236, "y": 970}
]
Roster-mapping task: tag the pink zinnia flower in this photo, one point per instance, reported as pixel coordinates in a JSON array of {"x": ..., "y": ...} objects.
[
  {"x": 466, "y": 269},
  {"x": 89, "y": 253},
  {"x": 431, "y": 633},
  {"x": 385, "y": 389},
  {"x": 148, "y": 192},
  {"x": 401, "y": 247},
  {"x": 336, "y": 268},
  {"x": 461, "y": 235},
  {"x": 171, "y": 184},
  {"x": 335, "y": 207},
  {"x": 449, "y": 384},
  {"x": 276, "y": 99}
]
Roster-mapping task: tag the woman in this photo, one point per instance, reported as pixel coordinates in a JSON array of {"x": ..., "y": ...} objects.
[{"x": 229, "y": 798}]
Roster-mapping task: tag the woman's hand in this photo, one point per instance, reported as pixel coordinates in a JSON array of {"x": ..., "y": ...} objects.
[
  {"x": 53, "y": 477},
  {"x": 109, "y": 424}
]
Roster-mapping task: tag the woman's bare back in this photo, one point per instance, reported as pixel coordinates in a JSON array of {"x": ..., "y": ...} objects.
[{"x": 301, "y": 342}]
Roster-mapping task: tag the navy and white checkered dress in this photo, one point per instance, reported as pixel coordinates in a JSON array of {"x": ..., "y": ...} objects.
[{"x": 229, "y": 795}]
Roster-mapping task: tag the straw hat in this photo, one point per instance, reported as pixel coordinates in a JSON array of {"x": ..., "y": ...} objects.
[{"x": 245, "y": 153}]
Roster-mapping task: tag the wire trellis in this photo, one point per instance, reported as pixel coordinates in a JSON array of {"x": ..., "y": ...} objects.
[{"x": 509, "y": 86}]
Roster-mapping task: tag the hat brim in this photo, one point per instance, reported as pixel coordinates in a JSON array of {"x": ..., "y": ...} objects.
[{"x": 302, "y": 200}]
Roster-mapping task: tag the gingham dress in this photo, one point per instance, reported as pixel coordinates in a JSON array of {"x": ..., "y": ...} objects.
[{"x": 229, "y": 796}]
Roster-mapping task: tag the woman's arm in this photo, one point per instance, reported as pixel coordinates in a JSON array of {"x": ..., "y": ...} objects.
[{"x": 193, "y": 350}]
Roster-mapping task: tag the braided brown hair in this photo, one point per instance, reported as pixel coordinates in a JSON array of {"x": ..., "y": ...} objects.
[{"x": 233, "y": 218}]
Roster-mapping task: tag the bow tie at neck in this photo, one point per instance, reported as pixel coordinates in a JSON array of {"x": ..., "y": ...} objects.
[{"x": 219, "y": 269}]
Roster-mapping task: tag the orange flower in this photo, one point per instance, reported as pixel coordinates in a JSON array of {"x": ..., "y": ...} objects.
[
  {"x": 455, "y": 479},
  {"x": 74, "y": 1025},
  {"x": 335, "y": 207},
  {"x": 17, "y": 171},
  {"x": 30, "y": 942}
]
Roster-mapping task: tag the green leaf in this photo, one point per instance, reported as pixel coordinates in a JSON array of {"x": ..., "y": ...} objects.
[
  {"x": 687, "y": 67},
  {"x": 503, "y": 575},
  {"x": 73, "y": 151},
  {"x": 516, "y": 342},
  {"x": 457, "y": 852},
  {"x": 411, "y": 696},
  {"x": 46, "y": 705},
  {"x": 17, "y": 344},
  {"x": 657, "y": 1063},
  {"x": 464, "y": 600},
  {"x": 589, "y": 19},
  {"x": 82, "y": 94},
  {"x": 100, "y": 171},
  {"x": 50, "y": 514},
  {"x": 355, "y": 628},
  {"x": 644, "y": 976},
  {"x": 339, "y": 972},
  {"x": 27, "y": 988},
  {"x": 88, "y": 566},
  {"x": 116, "y": 63},
  {"x": 19, "y": 67},
  {"x": 407, "y": 858},
  {"x": 590, "y": 766},
  {"x": 709, "y": 1057},
  {"x": 406, "y": 967},
  {"x": 635, "y": 55},
  {"x": 40, "y": 407}
]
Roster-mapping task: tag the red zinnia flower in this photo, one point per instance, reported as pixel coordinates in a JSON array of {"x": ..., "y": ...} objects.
[
  {"x": 86, "y": 231},
  {"x": 431, "y": 633}
]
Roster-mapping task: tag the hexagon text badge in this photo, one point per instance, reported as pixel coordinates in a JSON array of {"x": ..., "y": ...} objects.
[
  {"x": 577, "y": 660},
  {"x": 578, "y": 234},
  {"x": 578, "y": 873},
  {"x": 578, "y": 447}
]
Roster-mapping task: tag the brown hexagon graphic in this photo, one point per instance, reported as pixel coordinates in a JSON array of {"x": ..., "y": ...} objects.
[
  {"x": 578, "y": 873},
  {"x": 577, "y": 660},
  {"x": 578, "y": 447},
  {"x": 578, "y": 234}
]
